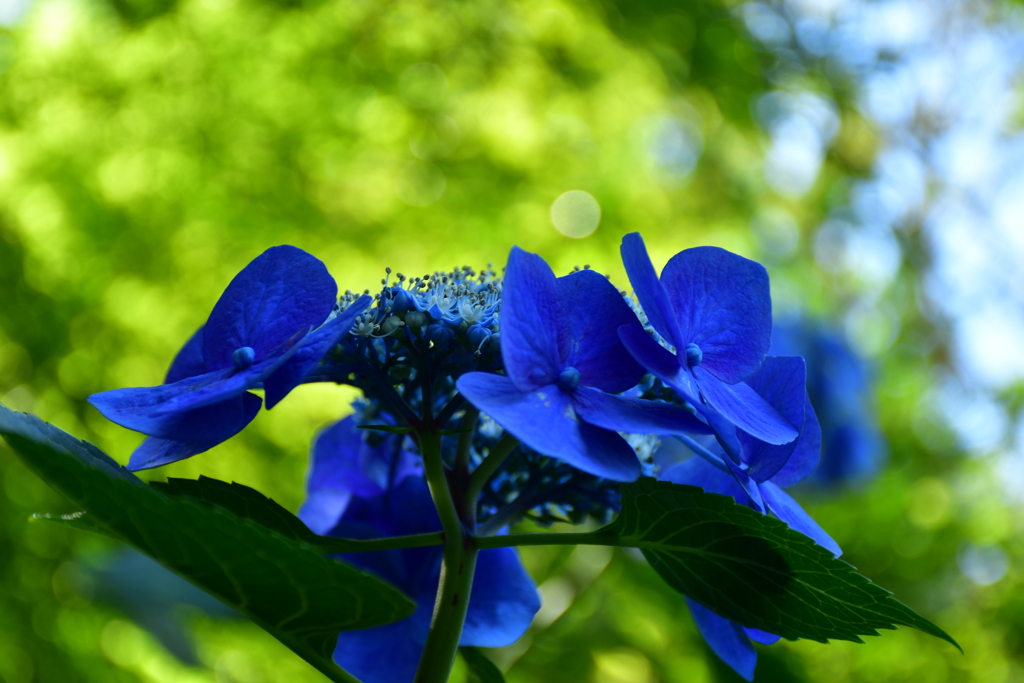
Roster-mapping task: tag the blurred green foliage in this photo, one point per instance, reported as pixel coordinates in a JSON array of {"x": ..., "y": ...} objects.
[{"x": 150, "y": 148}]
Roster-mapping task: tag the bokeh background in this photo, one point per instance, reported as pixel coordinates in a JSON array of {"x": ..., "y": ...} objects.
[{"x": 868, "y": 152}]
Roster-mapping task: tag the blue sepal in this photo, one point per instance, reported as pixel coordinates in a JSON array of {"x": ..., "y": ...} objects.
[
  {"x": 744, "y": 408},
  {"x": 781, "y": 382},
  {"x": 594, "y": 311},
  {"x": 804, "y": 459},
  {"x": 790, "y": 512},
  {"x": 722, "y": 303},
  {"x": 282, "y": 290},
  {"x": 155, "y": 452},
  {"x": 726, "y": 638},
  {"x": 649, "y": 290},
  {"x": 531, "y": 322},
  {"x": 313, "y": 348},
  {"x": 546, "y": 421},
  {"x": 635, "y": 415}
]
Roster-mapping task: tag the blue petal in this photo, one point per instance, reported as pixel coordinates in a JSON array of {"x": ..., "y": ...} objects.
[
  {"x": 189, "y": 361},
  {"x": 781, "y": 381},
  {"x": 807, "y": 453},
  {"x": 391, "y": 653},
  {"x": 404, "y": 510},
  {"x": 725, "y": 431},
  {"x": 530, "y": 322},
  {"x": 744, "y": 408},
  {"x": 323, "y": 508},
  {"x": 750, "y": 487},
  {"x": 342, "y": 460},
  {"x": 723, "y": 477},
  {"x": 790, "y": 512},
  {"x": 593, "y": 311},
  {"x": 154, "y": 452},
  {"x": 657, "y": 360},
  {"x": 214, "y": 387},
  {"x": 726, "y": 639},
  {"x": 282, "y": 291},
  {"x": 394, "y": 566},
  {"x": 139, "y": 409},
  {"x": 635, "y": 415},
  {"x": 698, "y": 472},
  {"x": 652, "y": 295},
  {"x": 311, "y": 351},
  {"x": 723, "y": 304},
  {"x": 386, "y": 654},
  {"x": 762, "y": 637},
  {"x": 545, "y": 421},
  {"x": 503, "y": 602},
  {"x": 501, "y": 608}
]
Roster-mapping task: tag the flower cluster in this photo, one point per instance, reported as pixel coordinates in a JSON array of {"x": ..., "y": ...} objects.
[{"x": 547, "y": 393}]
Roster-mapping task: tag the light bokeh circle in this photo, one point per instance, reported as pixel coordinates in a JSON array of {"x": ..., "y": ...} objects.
[{"x": 576, "y": 214}]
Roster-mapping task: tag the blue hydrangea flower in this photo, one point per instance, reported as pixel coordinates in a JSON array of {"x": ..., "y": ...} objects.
[
  {"x": 757, "y": 481},
  {"x": 757, "y": 477},
  {"x": 840, "y": 385},
  {"x": 344, "y": 464},
  {"x": 269, "y": 328},
  {"x": 563, "y": 364},
  {"x": 377, "y": 492},
  {"x": 713, "y": 310}
]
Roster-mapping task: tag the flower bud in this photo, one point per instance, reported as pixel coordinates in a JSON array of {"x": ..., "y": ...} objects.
[
  {"x": 415, "y": 319},
  {"x": 391, "y": 324},
  {"x": 401, "y": 301},
  {"x": 440, "y": 334},
  {"x": 478, "y": 335}
]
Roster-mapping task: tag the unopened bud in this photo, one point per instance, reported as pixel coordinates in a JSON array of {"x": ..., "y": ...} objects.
[{"x": 391, "y": 324}]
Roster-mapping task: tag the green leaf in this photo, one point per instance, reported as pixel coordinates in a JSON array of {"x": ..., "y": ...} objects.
[
  {"x": 75, "y": 520},
  {"x": 244, "y": 502},
  {"x": 247, "y": 553},
  {"x": 481, "y": 669},
  {"x": 250, "y": 504},
  {"x": 753, "y": 568}
]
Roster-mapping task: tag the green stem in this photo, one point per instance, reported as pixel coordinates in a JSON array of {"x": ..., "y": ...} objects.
[
  {"x": 354, "y": 545},
  {"x": 462, "y": 456},
  {"x": 569, "y": 538},
  {"x": 458, "y": 564},
  {"x": 486, "y": 469}
]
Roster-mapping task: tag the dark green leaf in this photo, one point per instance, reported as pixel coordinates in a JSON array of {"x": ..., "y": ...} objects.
[
  {"x": 244, "y": 502},
  {"x": 76, "y": 520},
  {"x": 753, "y": 568},
  {"x": 250, "y": 504},
  {"x": 265, "y": 572},
  {"x": 481, "y": 669}
]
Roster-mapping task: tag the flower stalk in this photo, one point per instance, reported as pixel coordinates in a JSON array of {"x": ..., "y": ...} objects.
[{"x": 458, "y": 565}]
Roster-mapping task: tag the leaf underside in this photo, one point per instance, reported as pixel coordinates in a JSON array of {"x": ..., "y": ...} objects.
[
  {"x": 752, "y": 568},
  {"x": 225, "y": 538},
  {"x": 481, "y": 669}
]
